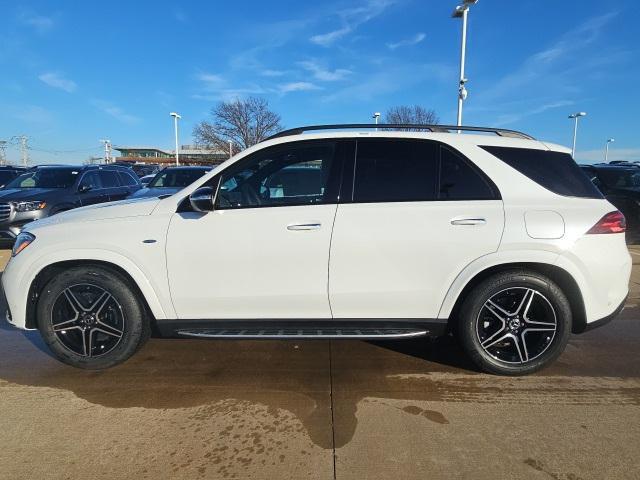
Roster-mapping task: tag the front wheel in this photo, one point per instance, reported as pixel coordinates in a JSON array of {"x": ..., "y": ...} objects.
[
  {"x": 90, "y": 317},
  {"x": 514, "y": 323}
]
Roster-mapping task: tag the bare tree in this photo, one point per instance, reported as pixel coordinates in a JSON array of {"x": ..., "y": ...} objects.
[
  {"x": 415, "y": 114},
  {"x": 243, "y": 122}
]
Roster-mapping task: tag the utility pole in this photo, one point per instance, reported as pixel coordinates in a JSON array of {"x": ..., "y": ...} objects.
[
  {"x": 24, "y": 150},
  {"x": 3, "y": 152},
  {"x": 107, "y": 150},
  {"x": 230, "y": 148}
]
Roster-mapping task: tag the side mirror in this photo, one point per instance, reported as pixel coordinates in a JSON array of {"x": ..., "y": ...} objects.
[
  {"x": 202, "y": 199},
  {"x": 84, "y": 188}
]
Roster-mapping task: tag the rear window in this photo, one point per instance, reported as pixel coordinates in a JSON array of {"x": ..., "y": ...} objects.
[{"x": 555, "y": 171}]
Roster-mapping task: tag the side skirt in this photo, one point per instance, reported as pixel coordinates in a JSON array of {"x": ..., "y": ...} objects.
[{"x": 362, "y": 329}]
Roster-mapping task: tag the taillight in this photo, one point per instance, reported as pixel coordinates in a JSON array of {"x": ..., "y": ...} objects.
[{"x": 612, "y": 222}]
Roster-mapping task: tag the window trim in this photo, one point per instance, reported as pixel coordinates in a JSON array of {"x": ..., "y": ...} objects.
[
  {"x": 115, "y": 172},
  {"x": 351, "y": 165},
  {"x": 334, "y": 181}
]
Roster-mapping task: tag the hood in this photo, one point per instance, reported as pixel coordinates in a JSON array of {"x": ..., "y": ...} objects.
[
  {"x": 102, "y": 211},
  {"x": 28, "y": 194},
  {"x": 154, "y": 192}
]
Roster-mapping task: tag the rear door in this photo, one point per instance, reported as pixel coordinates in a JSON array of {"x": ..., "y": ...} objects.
[
  {"x": 418, "y": 214},
  {"x": 129, "y": 181},
  {"x": 111, "y": 182},
  {"x": 90, "y": 189}
]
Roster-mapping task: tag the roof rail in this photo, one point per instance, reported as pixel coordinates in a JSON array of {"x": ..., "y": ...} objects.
[{"x": 403, "y": 126}]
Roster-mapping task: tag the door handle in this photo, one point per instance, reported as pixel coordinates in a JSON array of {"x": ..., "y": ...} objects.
[
  {"x": 304, "y": 226},
  {"x": 468, "y": 221}
]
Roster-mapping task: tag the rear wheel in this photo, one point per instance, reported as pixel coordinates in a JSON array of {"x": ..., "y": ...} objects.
[
  {"x": 90, "y": 317},
  {"x": 515, "y": 323}
]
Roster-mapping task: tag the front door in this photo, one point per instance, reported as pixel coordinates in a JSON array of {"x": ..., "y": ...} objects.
[
  {"x": 264, "y": 252},
  {"x": 418, "y": 214}
]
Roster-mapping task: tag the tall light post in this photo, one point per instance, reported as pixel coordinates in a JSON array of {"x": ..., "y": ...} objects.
[
  {"x": 462, "y": 11},
  {"x": 606, "y": 149},
  {"x": 575, "y": 116},
  {"x": 376, "y": 117},
  {"x": 176, "y": 117}
]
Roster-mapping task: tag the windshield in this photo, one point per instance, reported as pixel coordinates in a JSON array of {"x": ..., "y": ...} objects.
[
  {"x": 620, "y": 178},
  {"x": 177, "y": 178},
  {"x": 45, "y": 178},
  {"x": 5, "y": 176}
]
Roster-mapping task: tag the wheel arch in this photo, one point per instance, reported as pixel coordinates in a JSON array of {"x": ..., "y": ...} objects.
[
  {"x": 560, "y": 276},
  {"x": 51, "y": 270}
]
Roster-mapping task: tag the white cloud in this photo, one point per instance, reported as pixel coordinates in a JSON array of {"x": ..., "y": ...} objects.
[
  {"x": 115, "y": 111},
  {"x": 211, "y": 81},
  {"x": 56, "y": 80},
  {"x": 407, "y": 42},
  {"x": 323, "y": 74},
  {"x": 297, "y": 87},
  {"x": 508, "y": 118},
  {"x": 326, "y": 39},
  {"x": 351, "y": 19},
  {"x": 272, "y": 73},
  {"x": 392, "y": 78},
  {"x": 40, "y": 23}
]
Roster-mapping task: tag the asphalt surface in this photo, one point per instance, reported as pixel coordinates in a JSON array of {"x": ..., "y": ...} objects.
[{"x": 183, "y": 409}]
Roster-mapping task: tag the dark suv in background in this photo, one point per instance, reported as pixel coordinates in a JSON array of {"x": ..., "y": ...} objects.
[
  {"x": 620, "y": 184},
  {"x": 47, "y": 190},
  {"x": 8, "y": 173}
]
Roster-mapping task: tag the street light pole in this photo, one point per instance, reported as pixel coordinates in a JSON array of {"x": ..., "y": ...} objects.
[
  {"x": 606, "y": 149},
  {"x": 575, "y": 116},
  {"x": 462, "y": 11},
  {"x": 376, "y": 116},
  {"x": 176, "y": 117}
]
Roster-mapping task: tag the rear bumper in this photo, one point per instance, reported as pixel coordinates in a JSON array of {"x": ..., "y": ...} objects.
[{"x": 604, "y": 320}]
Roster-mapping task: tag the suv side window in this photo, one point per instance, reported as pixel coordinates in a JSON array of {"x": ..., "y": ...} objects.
[
  {"x": 460, "y": 181},
  {"x": 127, "y": 179},
  {"x": 395, "y": 171},
  {"x": 109, "y": 178},
  {"x": 294, "y": 174},
  {"x": 91, "y": 180}
]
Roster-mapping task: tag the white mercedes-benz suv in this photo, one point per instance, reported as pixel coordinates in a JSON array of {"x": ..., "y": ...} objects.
[{"x": 350, "y": 231}]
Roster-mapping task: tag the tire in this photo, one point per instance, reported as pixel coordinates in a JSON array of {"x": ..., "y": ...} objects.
[
  {"x": 91, "y": 318},
  {"x": 506, "y": 308}
]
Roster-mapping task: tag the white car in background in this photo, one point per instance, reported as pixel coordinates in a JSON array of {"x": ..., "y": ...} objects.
[{"x": 342, "y": 233}]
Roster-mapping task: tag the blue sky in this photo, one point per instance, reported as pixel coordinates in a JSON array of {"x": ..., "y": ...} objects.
[{"x": 73, "y": 73}]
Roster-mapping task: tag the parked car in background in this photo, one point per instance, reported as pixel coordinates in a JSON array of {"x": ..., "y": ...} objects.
[
  {"x": 141, "y": 169},
  {"x": 620, "y": 184},
  {"x": 144, "y": 181},
  {"x": 170, "y": 180},
  {"x": 8, "y": 173},
  {"x": 46, "y": 190},
  {"x": 500, "y": 239}
]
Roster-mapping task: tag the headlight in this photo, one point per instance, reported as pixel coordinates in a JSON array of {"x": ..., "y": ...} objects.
[
  {"x": 28, "y": 206},
  {"x": 23, "y": 240}
]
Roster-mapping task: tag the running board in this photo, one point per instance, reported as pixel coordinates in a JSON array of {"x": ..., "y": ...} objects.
[{"x": 303, "y": 333}]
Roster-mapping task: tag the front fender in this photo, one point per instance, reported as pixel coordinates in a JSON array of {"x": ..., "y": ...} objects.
[{"x": 19, "y": 276}]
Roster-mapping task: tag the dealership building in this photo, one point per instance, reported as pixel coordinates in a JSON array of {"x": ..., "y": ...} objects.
[{"x": 188, "y": 154}]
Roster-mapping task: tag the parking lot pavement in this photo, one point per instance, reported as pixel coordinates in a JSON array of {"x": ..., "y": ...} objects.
[{"x": 348, "y": 410}]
